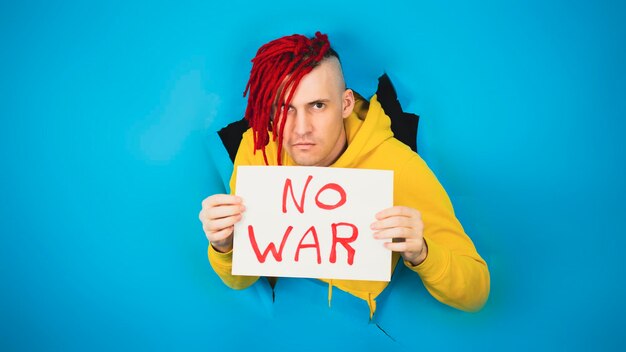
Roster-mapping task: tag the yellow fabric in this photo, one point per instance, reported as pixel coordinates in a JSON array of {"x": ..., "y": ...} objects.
[{"x": 453, "y": 272}]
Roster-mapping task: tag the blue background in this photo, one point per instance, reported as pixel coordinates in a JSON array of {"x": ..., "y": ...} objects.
[{"x": 106, "y": 108}]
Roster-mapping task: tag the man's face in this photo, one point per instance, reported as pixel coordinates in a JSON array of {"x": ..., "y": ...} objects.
[{"x": 314, "y": 134}]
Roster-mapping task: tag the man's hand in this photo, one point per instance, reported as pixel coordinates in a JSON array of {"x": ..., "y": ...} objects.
[
  {"x": 404, "y": 226},
  {"x": 219, "y": 214}
]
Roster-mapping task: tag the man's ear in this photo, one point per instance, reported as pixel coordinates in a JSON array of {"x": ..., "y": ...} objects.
[{"x": 347, "y": 103}]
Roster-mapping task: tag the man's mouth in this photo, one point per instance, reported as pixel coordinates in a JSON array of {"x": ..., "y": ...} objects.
[{"x": 303, "y": 145}]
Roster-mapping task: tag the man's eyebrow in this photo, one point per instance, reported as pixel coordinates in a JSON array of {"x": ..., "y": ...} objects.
[{"x": 319, "y": 101}]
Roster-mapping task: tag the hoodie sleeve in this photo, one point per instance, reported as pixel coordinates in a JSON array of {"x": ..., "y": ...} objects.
[
  {"x": 222, "y": 263},
  {"x": 453, "y": 272}
]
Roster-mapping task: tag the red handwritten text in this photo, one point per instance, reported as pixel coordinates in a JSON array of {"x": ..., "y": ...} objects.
[{"x": 311, "y": 232}]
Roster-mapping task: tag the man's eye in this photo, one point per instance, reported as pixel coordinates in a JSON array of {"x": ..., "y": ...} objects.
[{"x": 318, "y": 105}]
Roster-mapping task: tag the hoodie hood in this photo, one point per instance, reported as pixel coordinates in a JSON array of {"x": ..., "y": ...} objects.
[{"x": 366, "y": 128}]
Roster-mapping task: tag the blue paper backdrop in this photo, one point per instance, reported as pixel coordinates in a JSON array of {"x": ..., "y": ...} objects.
[{"x": 106, "y": 108}]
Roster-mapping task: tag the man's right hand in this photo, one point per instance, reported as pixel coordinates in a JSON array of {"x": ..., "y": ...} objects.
[{"x": 219, "y": 214}]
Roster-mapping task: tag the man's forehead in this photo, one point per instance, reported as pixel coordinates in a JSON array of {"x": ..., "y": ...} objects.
[{"x": 321, "y": 83}]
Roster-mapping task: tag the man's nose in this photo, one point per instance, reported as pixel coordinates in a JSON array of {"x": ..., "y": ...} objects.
[{"x": 302, "y": 123}]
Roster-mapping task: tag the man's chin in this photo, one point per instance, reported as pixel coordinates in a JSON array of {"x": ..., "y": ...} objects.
[
  {"x": 305, "y": 163},
  {"x": 303, "y": 160}
]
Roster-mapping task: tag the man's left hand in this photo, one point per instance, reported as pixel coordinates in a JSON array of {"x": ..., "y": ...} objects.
[{"x": 404, "y": 226}]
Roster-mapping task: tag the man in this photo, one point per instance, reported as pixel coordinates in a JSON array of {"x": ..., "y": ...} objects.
[{"x": 297, "y": 91}]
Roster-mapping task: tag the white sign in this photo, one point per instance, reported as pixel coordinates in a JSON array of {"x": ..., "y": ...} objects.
[{"x": 311, "y": 222}]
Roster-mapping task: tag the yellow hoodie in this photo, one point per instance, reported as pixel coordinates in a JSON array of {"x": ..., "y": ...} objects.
[{"x": 453, "y": 272}]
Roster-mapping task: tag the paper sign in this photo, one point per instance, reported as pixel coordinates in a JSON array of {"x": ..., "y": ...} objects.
[{"x": 311, "y": 222}]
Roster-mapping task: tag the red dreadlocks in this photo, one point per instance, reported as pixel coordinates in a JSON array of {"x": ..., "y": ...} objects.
[{"x": 277, "y": 69}]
